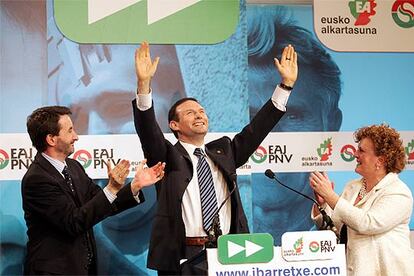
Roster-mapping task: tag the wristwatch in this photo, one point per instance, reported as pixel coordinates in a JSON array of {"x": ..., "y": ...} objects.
[{"x": 285, "y": 87}]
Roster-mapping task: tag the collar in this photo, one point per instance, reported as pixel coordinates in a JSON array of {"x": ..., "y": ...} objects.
[
  {"x": 387, "y": 180},
  {"x": 190, "y": 148},
  {"x": 57, "y": 164}
]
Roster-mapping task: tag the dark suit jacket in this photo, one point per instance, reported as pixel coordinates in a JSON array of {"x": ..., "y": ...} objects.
[
  {"x": 167, "y": 245},
  {"x": 57, "y": 224}
]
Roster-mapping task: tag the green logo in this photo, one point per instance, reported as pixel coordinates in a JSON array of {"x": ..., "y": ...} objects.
[
  {"x": 314, "y": 246},
  {"x": 348, "y": 153},
  {"x": 362, "y": 10},
  {"x": 402, "y": 13},
  {"x": 409, "y": 150},
  {"x": 298, "y": 245},
  {"x": 4, "y": 159},
  {"x": 156, "y": 21},
  {"x": 83, "y": 157},
  {"x": 245, "y": 248},
  {"x": 260, "y": 155},
  {"x": 325, "y": 149}
]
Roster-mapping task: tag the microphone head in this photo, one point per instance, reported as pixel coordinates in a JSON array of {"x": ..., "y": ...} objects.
[{"x": 269, "y": 173}]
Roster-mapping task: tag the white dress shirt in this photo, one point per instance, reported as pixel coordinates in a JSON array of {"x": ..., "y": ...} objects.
[{"x": 191, "y": 204}]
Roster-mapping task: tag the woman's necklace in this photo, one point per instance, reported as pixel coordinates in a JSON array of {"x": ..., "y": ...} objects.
[{"x": 363, "y": 191}]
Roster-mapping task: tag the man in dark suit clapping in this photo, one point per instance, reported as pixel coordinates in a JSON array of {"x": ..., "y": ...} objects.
[{"x": 62, "y": 204}]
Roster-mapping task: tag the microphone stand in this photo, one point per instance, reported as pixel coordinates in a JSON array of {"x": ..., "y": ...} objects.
[
  {"x": 327, "y": 221},
  {"x": 215, "y": 231}
]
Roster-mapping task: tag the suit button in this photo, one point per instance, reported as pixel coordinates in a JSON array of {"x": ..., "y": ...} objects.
[{"x": 188, "y": 179}]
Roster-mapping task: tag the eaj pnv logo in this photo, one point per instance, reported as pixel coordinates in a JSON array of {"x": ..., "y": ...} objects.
[
  {"x": 403, "y": 13},
  {"x": 18, "y": 158},
  {"x": 4, "y": 159},
  {"x": 314, "y": 246},
  {"x": 348, "y": 153},
  {"x": 83, "y": 157},
  {"x": 260, "y": 155},
  {"x": 96, "y": 158},
  {"x": 156, "y": 21}
]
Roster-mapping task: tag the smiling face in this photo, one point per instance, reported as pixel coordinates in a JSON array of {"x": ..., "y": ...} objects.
[
  {"x": 367, "y": 160},
  {"x": 192, "y": 123},
  {"x": 64, "y": 143}
]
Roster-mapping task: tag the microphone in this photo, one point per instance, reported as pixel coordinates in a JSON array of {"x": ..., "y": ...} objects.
[
  {"x": 328, "y": 223},
  {"x": 214, "y": 232}
]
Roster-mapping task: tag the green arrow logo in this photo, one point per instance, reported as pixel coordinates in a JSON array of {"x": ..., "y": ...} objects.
[
  {"x": 245, "y": 248},
  {"x": 156, "y": 21}
]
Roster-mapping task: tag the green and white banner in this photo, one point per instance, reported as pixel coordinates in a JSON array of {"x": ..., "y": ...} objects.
[{"x": 156, "y": 21}]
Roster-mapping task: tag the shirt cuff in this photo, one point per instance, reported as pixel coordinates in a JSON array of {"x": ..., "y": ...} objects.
[
  {"x": 144, "y": 101},
  {"x": 110, "y": 196},
  {"x": 280, "y": 98}
]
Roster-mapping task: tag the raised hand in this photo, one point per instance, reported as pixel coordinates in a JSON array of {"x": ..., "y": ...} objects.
[
  {"x": 288, "y": 66},
  {"x": 147, "y": 176},
  {"x": 117, "y": 175},
  {"x": 144, "y": 67}
]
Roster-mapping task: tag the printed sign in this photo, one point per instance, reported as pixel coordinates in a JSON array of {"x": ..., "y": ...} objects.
[
  {"x": 155, "y": 21},
  {"x": 365, "y": 25},
  {"x": 245, "y": 248}
]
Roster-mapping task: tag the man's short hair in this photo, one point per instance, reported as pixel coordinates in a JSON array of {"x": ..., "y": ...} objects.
[
  {"x": 44, "y": 121},
  {"x": 172, "y": 113}
]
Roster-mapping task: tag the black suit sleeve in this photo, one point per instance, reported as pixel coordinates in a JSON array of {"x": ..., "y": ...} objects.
[
  {"x": 249, "y": 139},
  {"x": 152, "y": 139}
]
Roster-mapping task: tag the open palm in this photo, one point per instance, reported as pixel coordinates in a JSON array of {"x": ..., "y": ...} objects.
[
  {"x": 288, "y": 65},
  {"x": 147, "y": 176},
  {"x": 144, "y": 66}
]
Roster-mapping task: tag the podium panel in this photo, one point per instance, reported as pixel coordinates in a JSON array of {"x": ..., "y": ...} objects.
[{"x": 301, "y": 253}]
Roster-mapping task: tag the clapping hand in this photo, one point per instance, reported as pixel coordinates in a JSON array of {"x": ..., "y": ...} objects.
[
  {"x": 147, "y": 176},
  {"x": 323, "y": 188},
  {"x": 117, "y": 175}
]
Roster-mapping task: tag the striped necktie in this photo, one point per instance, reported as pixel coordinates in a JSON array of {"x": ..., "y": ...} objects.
[{"x": 207, "y": 193}]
